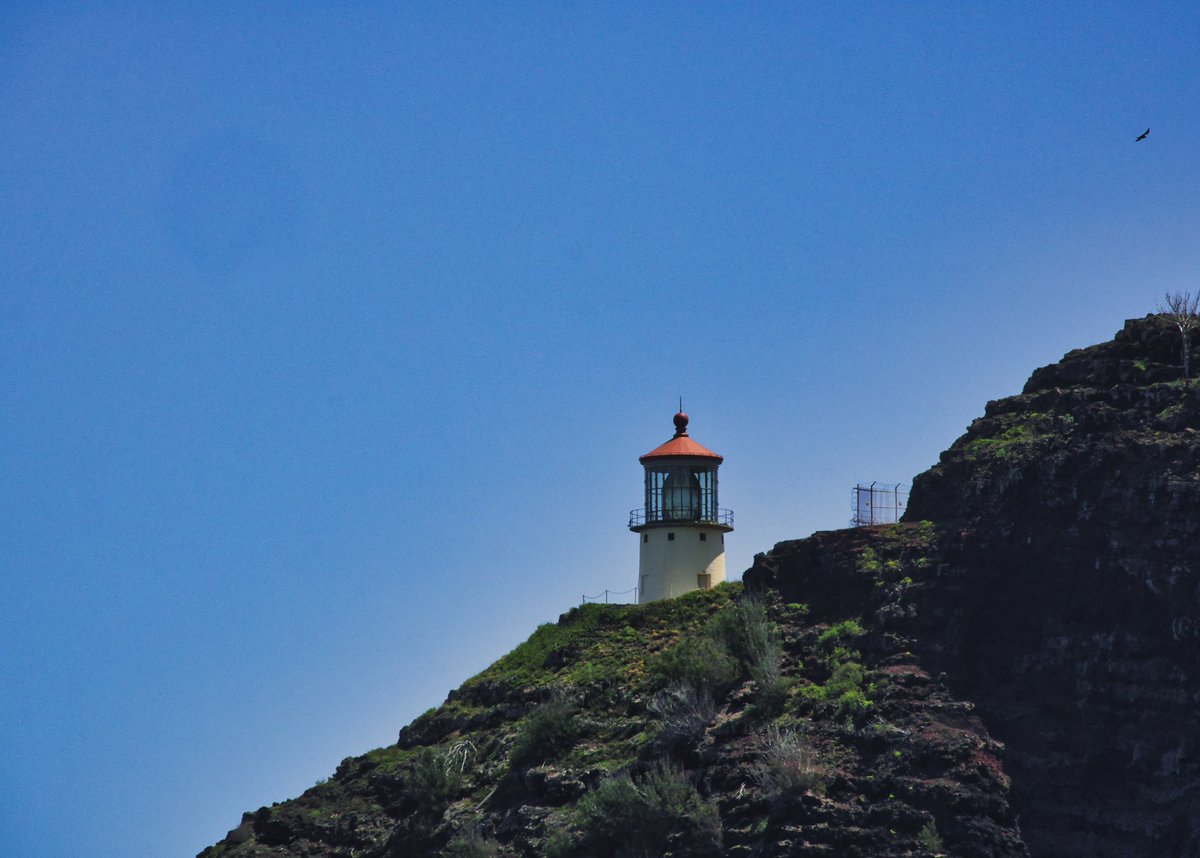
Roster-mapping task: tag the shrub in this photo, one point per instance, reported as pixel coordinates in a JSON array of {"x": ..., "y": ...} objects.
[
  {"x": 771, "y": 699},
  {"x": 844, "y": 689},
  {"x": 839, "y": 635},
  {"x": 609, "y": 813},
  {"x": 847, "y": 676},
  {"x": 738, "y": 640},
  {"x": 749, "y": 635},
  {"x": 788, "y": 766},
  {"x": 683, "y": 712},
  {"x": 746, "y": 631},
  {"x": 629, "y": 817},
  {"x": 930, "y": 839},
  {"x": 471, "y": 844},
  {"x": 845, "y": 686},
  {"x": 852, "y": 705},
  {"x": 867, "y": 562},
  {"x": 560, "y": 844},
  {"x": 461, "y": 755},
  {"x": 434, "y": 779},
  {"x": 700, "y": 661},
  {"x": 546, "y": 733}
]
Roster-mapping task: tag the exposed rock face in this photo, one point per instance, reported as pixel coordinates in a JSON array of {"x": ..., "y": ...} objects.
[
  {"x": 1045, "y": 594},
  {"x": 1066, "y": 599},
  {"x": 1069, "y": 607}
]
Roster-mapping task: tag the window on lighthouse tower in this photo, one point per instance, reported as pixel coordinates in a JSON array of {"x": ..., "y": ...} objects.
[{"x": 681, "y": 495}]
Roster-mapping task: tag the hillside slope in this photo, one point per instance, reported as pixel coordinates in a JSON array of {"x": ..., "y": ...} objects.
[
  {"x": 853, "y": 699},
  {"x": 843, "y": 745}
]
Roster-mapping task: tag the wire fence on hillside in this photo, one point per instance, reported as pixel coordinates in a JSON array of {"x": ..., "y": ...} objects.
[{"x": 606, "y": 597}]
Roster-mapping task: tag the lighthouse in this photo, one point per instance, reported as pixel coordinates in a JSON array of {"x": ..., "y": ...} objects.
[{"x": 681, "y": 527}]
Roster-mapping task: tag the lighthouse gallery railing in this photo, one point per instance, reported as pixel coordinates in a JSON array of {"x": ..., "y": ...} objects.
[{"x": 638, "y": 517}]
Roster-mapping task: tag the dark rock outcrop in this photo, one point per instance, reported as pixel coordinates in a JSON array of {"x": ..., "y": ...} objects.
[
  {"x": 1069, "y": 608},
  {"x": 1066, "y": 599}
]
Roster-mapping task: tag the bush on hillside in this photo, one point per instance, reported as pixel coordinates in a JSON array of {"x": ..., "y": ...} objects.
[
  {"x": 683, "y": 712},
  {"x": 700, "y": 661},
  {"x": 747, "y": 632},
  {"x": 846, "y": 688},
  {"x": 840, "y": 635},
  {"x": 434, "y": 779},
  {"x": 471, "y": 844},
  {"x": 627, "y": 817},
  {"x": 788, "y": 766},
  {"x": 546, "y": 733},
  {"x": 930, "y": 840}
]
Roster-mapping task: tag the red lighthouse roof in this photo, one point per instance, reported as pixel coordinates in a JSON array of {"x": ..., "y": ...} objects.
[{"x": 681, "y": 444}]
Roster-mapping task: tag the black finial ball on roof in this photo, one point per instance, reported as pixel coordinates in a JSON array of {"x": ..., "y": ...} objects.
[{"x": 681, "y": 422}]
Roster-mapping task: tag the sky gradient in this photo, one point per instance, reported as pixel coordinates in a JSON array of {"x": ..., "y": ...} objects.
[{"x": 332, "y": 336}]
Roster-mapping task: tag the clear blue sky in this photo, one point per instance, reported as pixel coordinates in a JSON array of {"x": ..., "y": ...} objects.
[{"x": 331, "y": 337}]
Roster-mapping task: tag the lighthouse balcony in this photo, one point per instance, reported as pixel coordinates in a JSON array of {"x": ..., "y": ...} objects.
[{"x": 641, "y": 517}]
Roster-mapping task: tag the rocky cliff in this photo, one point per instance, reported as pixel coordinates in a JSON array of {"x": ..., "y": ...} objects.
[
  {"x": 1070, "y": 603},
  {"x": 1010, "y": 672}
]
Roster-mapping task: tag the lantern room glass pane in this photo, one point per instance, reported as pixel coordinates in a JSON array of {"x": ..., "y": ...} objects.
[
  {"x": 681, "y": 492},
  {"x": 681, "y": 495}
]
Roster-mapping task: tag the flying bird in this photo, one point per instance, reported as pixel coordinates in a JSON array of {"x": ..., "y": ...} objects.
[{"x": 1143, "y": 136}]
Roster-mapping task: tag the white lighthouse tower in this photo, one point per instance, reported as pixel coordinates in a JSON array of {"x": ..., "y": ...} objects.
[{"x": 682, "y": 528}]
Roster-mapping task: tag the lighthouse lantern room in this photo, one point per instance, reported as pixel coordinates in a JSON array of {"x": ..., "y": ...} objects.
[{"x": 681, "y": 526}]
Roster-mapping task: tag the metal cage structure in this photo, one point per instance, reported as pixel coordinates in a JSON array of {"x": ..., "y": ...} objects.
[{"x": 878, "y": 503}]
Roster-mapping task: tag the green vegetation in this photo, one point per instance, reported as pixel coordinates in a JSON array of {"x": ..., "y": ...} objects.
[
  {"x": 701, "y": 661},
  {"x": 427, "y": 780},
  {"x": 1172, "y": 412},
  {"x": 682, "y": 712},
  {"x": 392, "y": 759},
  {"x": 788, "y": 766},
  {"x": 839, "y": 635},
  {"x": 749, "y": 635},
  {"x": 738, "y": 641},
  {"x": 917, "y": 534},
  {"x": 646, "y": 717},
  {"x": 845, "y": 690},
  {"x": 560, "y": 843},
  {"x": 1006, "y": 443},
  {"x": 930, "y": 839},
  {"x": 628, "y": 816},
  {"x": 545, "y": 734},
  {"x": 435, "y": 778},
  {"x": 613, "y": 742},
  {"x": 599, "y": 645},
  {"x": 867, "y": 562},
  {"x": 1021, "y": 431},
  {"x": 471, "y": 844}
]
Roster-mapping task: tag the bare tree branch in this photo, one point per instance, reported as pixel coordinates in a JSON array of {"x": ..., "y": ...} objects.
[{"x": 1184, "y": 312}]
